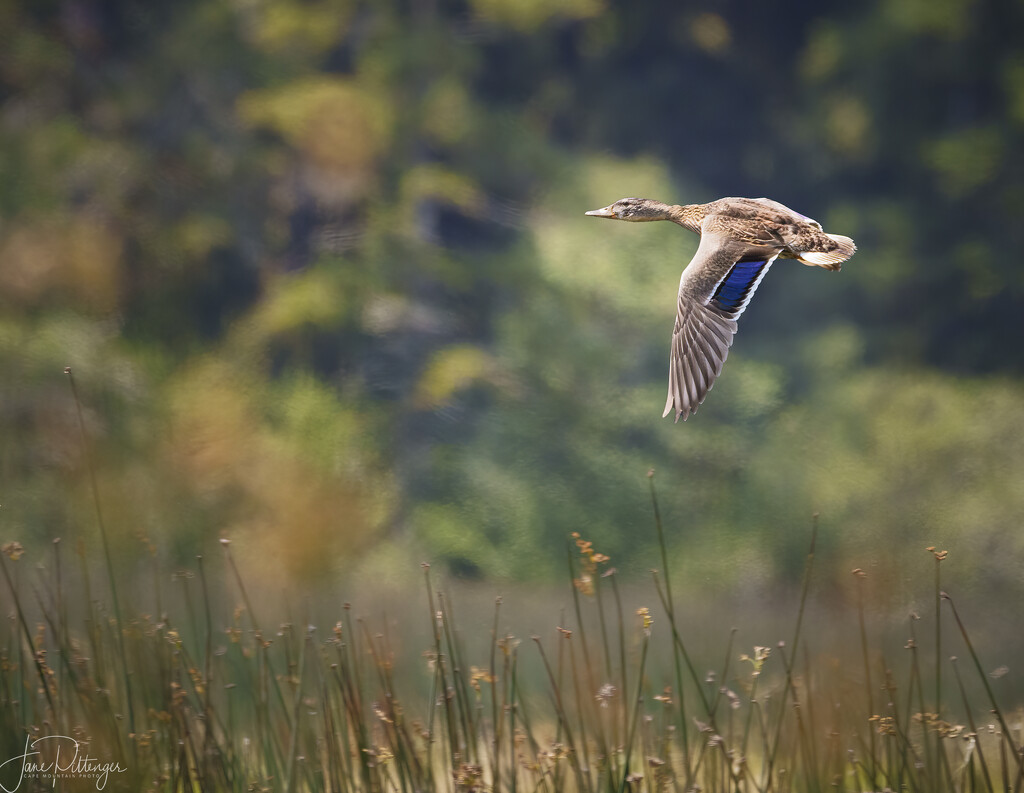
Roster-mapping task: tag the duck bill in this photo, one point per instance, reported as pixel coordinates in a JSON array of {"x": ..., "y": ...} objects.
[{"x": 606, "y": 212}]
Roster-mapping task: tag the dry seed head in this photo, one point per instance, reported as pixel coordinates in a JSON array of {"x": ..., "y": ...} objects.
[
  {"x": 885, "y": 725},
  {"x": 478, "y": 676},
  {"x": 734, "y": 700},
  {"x": 468, "y": 777},
  {"x": 604, "y": 694},
  {"x": 585, "y": 584},
  {"x": 12, "y": 550},
  {"x": 587, "y": 550},
  {"x": 932, "y": 722},
  {"x": 508, "y": 644},
  {"x": 757, "y": 660}
]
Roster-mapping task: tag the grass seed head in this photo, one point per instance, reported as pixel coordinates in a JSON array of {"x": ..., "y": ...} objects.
[
  {"x": 757, "y": 660},
  {"x": 604, "y": 694}
]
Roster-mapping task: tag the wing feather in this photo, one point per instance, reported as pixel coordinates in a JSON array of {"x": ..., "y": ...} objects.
[
  {"x": 701, "y": 379},
  {"x": 714, "y": 290}
]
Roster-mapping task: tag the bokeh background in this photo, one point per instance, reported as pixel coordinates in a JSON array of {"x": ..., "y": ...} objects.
[{"x": 321, "y": 271}]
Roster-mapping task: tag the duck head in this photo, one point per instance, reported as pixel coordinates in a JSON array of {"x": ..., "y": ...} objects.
[{"x": 634, "y": 209}]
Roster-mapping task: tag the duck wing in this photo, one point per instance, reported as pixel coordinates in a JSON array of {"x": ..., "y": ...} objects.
[
  {"x": 753, "y": 228},
  {"x": 714, "y": 290}
]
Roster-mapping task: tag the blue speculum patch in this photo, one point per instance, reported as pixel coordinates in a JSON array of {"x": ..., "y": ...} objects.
[{"x": 735, "y": 289}]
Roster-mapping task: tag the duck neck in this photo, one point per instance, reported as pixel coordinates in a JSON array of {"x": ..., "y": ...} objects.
[{"x": 688, "y": 216}]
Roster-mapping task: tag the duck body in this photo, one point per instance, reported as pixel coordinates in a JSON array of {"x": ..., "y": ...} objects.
[{"x": 740, "y": 239}]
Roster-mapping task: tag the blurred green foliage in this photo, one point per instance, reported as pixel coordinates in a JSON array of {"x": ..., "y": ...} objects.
[{"x": 323, "y": 276}]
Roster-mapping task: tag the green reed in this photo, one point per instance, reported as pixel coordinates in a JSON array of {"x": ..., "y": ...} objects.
[{"x": 202, "y": 695}]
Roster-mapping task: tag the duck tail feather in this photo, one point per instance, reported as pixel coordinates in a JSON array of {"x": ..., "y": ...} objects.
[{"x": 833, "y": 259}]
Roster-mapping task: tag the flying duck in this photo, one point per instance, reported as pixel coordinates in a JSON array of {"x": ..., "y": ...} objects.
[{"x": 739, "y": 240}]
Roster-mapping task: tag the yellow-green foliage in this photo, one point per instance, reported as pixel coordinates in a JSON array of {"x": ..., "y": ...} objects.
[{"x": 322, "y": 272}]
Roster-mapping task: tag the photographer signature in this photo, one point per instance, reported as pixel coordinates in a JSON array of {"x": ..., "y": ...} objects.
[{"x": 66, "y": 762}]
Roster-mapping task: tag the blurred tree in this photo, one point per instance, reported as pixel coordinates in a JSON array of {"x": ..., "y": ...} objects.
[{"x": 322, "y": 270}]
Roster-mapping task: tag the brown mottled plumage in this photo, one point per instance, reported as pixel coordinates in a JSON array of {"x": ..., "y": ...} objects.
[{"x": 739, "y": 240}]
